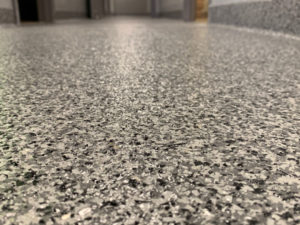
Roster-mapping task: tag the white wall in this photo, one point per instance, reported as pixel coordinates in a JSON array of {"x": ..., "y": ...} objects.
[
  {"x": 6, "y": 4},
  {"x": 171, "y": 5},
  {"x": 70, "y": 5},
  {"x": 130, "y": 6}
]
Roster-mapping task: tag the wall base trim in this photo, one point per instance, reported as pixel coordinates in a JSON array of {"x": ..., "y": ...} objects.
[
  {"x": 69, "y": 15},
  {"x": 172, "y": 14}
]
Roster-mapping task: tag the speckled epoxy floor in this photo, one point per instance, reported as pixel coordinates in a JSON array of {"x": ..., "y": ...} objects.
[{"x": 139, "y": 121}]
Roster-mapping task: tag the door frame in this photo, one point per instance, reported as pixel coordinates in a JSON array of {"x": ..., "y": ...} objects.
[
  {"x": 16, "y": 12},
  {"x": 189, "y": 10},
  {"x": 96, "y": 9},
  {"x": 46, "y": 10}
]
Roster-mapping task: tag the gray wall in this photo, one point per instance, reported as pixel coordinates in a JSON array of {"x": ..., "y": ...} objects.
[
  {"x": 6, "y": 11},
  {"x": 171, "y": 5},
  {"x": 6, "y": 4},
  {"x": 70, "y": 9},
  {"x": 277, "y": 15},
  {"x": 171, "y": 8},
  {"x": 130, "y": 7}
]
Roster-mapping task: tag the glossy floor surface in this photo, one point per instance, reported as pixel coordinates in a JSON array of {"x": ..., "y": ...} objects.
[{"x": 140, "y": 121}]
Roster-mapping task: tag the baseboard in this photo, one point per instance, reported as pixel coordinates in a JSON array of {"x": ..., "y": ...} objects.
[{"x": 69, "y": 15}]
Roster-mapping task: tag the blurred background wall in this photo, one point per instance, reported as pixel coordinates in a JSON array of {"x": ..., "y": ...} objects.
[
  {"x": 171, "y": 8},
  {"x": 70, "y": 9},
  {"x": 6, "y": 11},
  {"x": 278, "y": 15},
  {"x": 130, "y": 7}
]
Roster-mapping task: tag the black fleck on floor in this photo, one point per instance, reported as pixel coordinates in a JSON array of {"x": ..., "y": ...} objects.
[{"x": 140, "y": 121}]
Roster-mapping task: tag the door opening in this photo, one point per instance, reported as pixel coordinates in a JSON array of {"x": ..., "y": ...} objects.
[
  {"x": 201, "y": 10},
  {"x": 28, "y": 10},
  {"x": 95, "y": 9},
  {"x": 36, "y": 11}
]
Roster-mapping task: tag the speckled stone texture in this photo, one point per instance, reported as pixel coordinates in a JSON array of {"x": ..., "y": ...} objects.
[
  {"x": 140, "y": 121},
  {"x": 6, "y": 16},
  {"x": 277, "y": 15}
]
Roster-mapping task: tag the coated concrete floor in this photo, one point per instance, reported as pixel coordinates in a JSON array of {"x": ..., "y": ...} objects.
[{"x": 140, "y": 121}]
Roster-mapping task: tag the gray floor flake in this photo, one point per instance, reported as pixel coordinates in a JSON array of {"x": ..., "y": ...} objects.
[{"x": 139, "y": 121}]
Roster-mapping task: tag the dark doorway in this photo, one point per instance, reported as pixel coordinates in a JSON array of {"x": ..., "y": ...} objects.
[
  {"x": 28, "y": 10},
  {"x": 88, "y": 9},
  {"x": 95, "y": 9}
]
